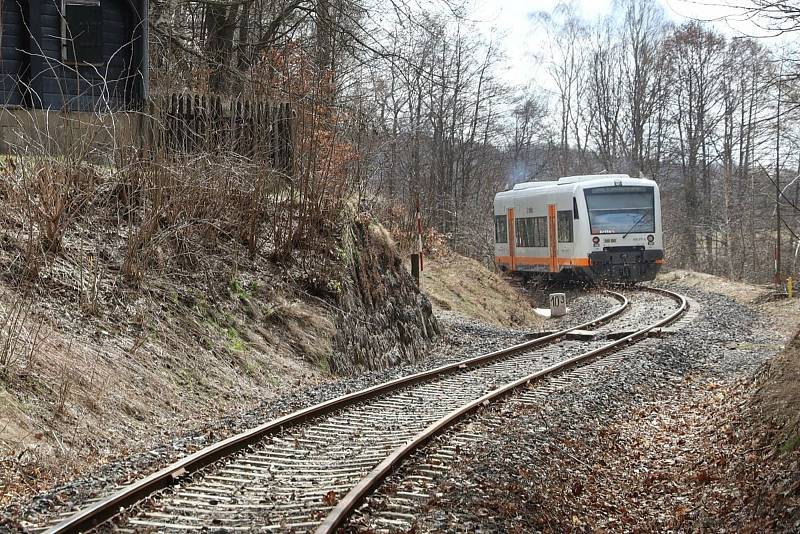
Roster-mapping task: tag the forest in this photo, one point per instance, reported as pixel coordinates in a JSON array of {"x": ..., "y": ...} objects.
[
  {"x": 418, "y": 107},
  {"x": 398, "y": 104}
]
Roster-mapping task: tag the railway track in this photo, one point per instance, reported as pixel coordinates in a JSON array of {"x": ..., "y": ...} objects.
[
  {"x": 408, "y": 495},
  {"x": 308, "y": 470}
]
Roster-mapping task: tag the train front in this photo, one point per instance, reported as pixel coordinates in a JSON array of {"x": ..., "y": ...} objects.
[{"x": 623, "y": 227}]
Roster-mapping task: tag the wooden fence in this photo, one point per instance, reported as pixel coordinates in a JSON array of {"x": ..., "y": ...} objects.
[{"x": 194, "y": 123}]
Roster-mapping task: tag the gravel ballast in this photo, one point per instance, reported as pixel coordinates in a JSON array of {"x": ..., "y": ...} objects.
[
  {"x": 627, "y": 449},
  {"x": 601, "y": 453}
]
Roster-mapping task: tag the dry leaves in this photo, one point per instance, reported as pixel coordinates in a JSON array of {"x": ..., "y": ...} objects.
[{"x": 330, "y": 498}]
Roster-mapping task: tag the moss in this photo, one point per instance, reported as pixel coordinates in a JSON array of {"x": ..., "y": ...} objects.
[
  {"x": 346, "y": 252},
  {"x": 274, "y": 380},
  {"x": 251, "y": 366},
  {"x": 791, "y": 444},
  {"x": 334, "y": 286},
  {"x": 210, "y": 320},
  {"x": 342, "y": 255},
  {"x": 324, "y": 365},
  {"x": 236, "y": 288},
  {"x": 270, "y": 311},
  {"x": 191, "y": 378},
  {"x": 235, "y": 342}
]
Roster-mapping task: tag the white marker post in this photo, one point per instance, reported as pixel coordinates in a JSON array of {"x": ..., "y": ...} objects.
[{"x": 558, "y": 304}]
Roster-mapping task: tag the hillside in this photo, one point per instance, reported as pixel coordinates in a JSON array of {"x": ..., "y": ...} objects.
[
  {"x": 777, "y": 397},
  {"x": 465, "y": 286},
  {"x": 93, "y": 368},
  {"x": 88, "y": 381}
]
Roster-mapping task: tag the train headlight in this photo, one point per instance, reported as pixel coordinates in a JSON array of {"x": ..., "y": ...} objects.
[
  {"x": 596, "y": 240},
  {"x": 650, "y": 239}
]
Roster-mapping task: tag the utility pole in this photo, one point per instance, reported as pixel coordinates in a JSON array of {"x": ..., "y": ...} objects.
[{"x": 778, "y": 278}]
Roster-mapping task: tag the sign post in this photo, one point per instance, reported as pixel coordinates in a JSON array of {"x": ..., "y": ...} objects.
[{"x": 558, "y": 304}]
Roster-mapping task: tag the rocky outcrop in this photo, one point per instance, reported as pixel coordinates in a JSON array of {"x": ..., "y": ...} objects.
[{"x": 383, "y": 319}]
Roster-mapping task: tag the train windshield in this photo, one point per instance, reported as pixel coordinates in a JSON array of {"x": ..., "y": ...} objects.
[{"x": 621, "y": 209}]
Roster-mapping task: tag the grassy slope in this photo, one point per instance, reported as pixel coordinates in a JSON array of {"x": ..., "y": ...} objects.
[
  {"x": 465, "y": 286},
  {"x": 98, "y": 386}
]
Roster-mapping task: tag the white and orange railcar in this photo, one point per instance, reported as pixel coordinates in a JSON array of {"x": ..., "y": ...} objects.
[{"x": 601, "y": 227}]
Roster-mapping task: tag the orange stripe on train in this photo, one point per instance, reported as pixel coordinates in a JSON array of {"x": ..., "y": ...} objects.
[
  {"x": 524, "y": 260},
  {"x": 574, "y": 262}
]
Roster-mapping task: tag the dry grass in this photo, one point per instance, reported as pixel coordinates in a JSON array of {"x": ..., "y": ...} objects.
[
  {"x": 463, "y": 285},
  {"x": 100, "y": 387},
  {"x": 159, "y": 295},
  {"x": 166, "y": 287},
  {"x": 117, "y": 313},
  {"x": 784, "y": 316},
  {"x": 20, "y": 336},
  {"x": 741, "y": 292}
]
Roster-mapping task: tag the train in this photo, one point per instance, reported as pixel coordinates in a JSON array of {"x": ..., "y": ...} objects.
[{"x": 604, "y": 227}]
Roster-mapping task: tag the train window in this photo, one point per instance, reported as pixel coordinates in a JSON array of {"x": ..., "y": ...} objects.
[
  {"x": 621, "y": 209},
  {"x": 521, "y": 231},
  {"x": 500, "y": 229},
  {"x": 531, "y": 231},
  {"x": 565, "y": 226},
  {"x": 575, "y": 214},
  {"x": 540, "y": 232}
]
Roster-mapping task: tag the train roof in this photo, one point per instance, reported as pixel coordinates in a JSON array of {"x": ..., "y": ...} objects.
[{"x": 571, "y": 184}]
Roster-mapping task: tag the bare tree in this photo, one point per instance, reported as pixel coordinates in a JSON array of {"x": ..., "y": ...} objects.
[
  {"x": 644, "y": 31},
  {"x": 528, "y": 116},
  {"x": 697, "y": 60},
  {"x": 567, "y": 36},
  {"x": 604, "y": 95}
]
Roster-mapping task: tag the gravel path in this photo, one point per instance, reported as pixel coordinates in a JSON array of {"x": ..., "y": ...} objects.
[
  {"x": 462, "y": 338},
  {"x": 566, "y": 463}
]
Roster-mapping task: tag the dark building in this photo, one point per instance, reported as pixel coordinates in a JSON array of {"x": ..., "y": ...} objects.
[{"x": 73, "y": 55}]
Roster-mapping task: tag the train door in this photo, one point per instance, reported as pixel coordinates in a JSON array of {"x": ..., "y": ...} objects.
[
  {"x": 552, "y": 236},
  {"x": 512, "y": 239}
]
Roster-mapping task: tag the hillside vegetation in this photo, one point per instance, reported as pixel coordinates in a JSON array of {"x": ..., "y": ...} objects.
[
  {"x": 463, "y": 285},
  {"x": 97, "y": 362}
]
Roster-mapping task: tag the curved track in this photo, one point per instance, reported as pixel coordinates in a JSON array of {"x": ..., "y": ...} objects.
[{"x": 307, "y": 470}]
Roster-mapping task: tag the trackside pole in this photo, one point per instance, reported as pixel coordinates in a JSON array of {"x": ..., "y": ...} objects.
[
  {"x": 416, "y": 256},
  {"x": 415, "y": 267}
]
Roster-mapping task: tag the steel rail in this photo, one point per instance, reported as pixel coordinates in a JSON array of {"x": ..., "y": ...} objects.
[
  {"x": 99, "y": 512},
  {"x": 344, "y": 508}
]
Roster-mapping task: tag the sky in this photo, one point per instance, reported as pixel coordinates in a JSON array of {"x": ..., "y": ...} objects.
[{"x": 510, "y": 23}]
